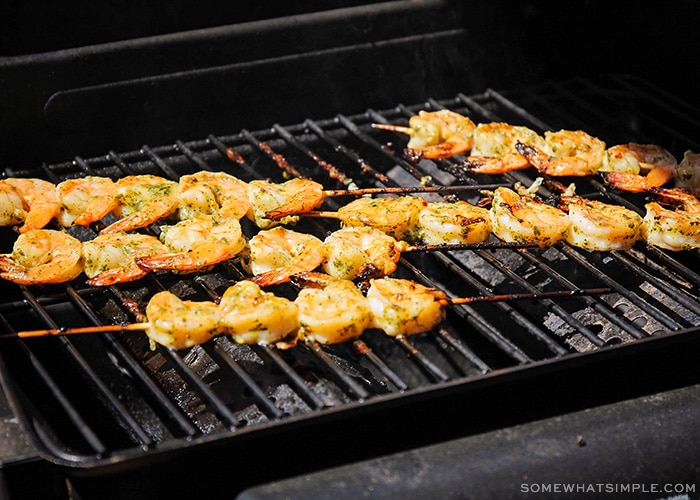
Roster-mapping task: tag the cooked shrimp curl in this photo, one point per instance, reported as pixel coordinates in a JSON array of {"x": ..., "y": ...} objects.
[
  {"x": 360, "y": 252},
  {"x": 143, "y": 200},
  {"x": 594, "y": 225},
  {"x": 669, "y": 229},
  {"x": 457, "y": 222},
  {"x": 522, "y": 217},
  {"x": 278, "y": 253},
  {"x": 273, "y": 204},
  {"x": 212, "y": 193},
  {"x": 13, "y": 209},
  {"x": 565, "y": 153},
  {"x": 252, "y": 316},
  {"x": 395, "y": 216},
  {"x": 402, "y": 307},
  {"x": 178, "y": 324},
  {"x": 85, "y": 200},
  {"x": 331, "y": 310},
  {"x": 43, "y": 256},
  {"x": 40, "y": 199},
  {"x": 111, "y": 258},
  {"x": 196, "y": 245},
  {"x": 435, "y": 134},
  {"x": 494, "y": 149}
]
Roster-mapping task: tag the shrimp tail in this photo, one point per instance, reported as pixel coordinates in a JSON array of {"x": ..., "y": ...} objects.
[
  {"x": 489, "y": 165},
  {"x": 115, "y": 276}
]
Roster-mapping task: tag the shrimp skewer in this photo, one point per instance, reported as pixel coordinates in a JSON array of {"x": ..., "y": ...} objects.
[
  {"x": 435, "y": 134},
  {"x": 43, "y": 256},
  {"x": 327, "y": 310},
  {"x": 293, "y": 207},
  {"x": 40, "y": 199}
]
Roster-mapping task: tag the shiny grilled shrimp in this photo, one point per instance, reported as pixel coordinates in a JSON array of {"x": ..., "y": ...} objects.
[
  {"x": 143, "y": 200},
  {"x": 85, "y": 200},
  {"x": 395, "y": 216},
  {"x": 178, "y": 324},
  {"x": 40, "y": 199},
  {"x": 111, "y": 258},
  {"x": 673, "y": 229},
  {"x": 638, "y": 168},
  {"x": 331, "y": 310},
  {"x": 565, "y": 153},
  {"x": 196, "y": 245},
  {"x": 274, "y": 204},
  {"x": 494, "y": 152},
  {"x": 360, "y": 252},
  {"x": 402, "y": 307},
  {"x": 278, "y": 253},
  {"x": 43, "y": 256},
  {"x": 252, "y": 316},
  {"x": 212, "y": 194},
  {"x": 452, "y": 222},
  {"x": 522, "y": 217}
]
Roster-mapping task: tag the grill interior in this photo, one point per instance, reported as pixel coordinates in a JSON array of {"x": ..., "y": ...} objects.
[{"x": 107, "y": 402}]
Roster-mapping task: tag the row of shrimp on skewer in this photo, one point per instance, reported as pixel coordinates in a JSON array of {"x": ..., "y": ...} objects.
[
  {"x": 326, "y": 310},
  {"x": 199, "y": 215},
  {"x": 497, "y": 147},
  {"x": 374, "y": 234}
]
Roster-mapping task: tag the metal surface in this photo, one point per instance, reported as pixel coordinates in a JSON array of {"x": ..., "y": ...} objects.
[{"x": 107, "y": 403}]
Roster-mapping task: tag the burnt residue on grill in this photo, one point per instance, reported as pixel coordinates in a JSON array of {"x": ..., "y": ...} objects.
[{"x": 104, "y": 401}]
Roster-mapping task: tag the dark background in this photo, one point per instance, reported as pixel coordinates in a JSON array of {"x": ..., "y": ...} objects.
[{"x": 82, "y": 78}]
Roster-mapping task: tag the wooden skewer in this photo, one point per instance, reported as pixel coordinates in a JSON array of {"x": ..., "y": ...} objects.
[
  {"x": 525, "y": 296},
  {"x": 411, "y": 189},
  {"x": 448, "y": 301},
  {"x": 393, "y": 128}
]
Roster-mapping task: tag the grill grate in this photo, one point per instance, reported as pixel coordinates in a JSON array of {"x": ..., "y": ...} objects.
[{"x": 106, "y": 398}]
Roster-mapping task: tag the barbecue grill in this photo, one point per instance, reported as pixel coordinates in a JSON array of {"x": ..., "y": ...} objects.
[{"x": 505, "y": 397}]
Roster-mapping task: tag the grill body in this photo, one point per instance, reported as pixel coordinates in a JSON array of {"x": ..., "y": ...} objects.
[{"x": 112, "y": 414}]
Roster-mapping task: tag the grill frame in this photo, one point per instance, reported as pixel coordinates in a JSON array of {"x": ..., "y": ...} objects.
[{"x": 391, "y": 406}]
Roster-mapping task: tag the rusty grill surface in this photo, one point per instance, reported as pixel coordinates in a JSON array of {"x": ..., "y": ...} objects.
[{"x": 104, "y": 399}]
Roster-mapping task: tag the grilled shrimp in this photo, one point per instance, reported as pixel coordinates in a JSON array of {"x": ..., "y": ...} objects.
[
  {"x": 354, "y": 252},
  {"x": 565, "y": 153},
  {"x": 524, "y": 218},
  {"x": 40, "y": 198},
  {"x": 178, "y": 324},
  {"x": 196, "y": 245},
  {"x": 252, "y": 316},
  {"x": 494, "y": 150},
  {"x": 269, "y": 202},
  {"x": 43, "y": 256},
  {"x": 85, "y": 200},
  {"x": 673, "y": 229},
  {"x": 396, "y": 216},
  {"x": 13, "y": 209},
  {"x": 278, "y": 253},
  {"x": 212, "y": 193},
  {"x": 595, "y": 225},
  {"x": 402, "y": 307},
  {"x": 458, "y": 222},
  {"x": 110, "y": 258},
  {"x": 439, "y": 134},
  {"x": 143, "y": 200},
  {"x": 332, "y": 310},
  {"x": 638, "y": 168},
  {"x": 687, "y": 173}
]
